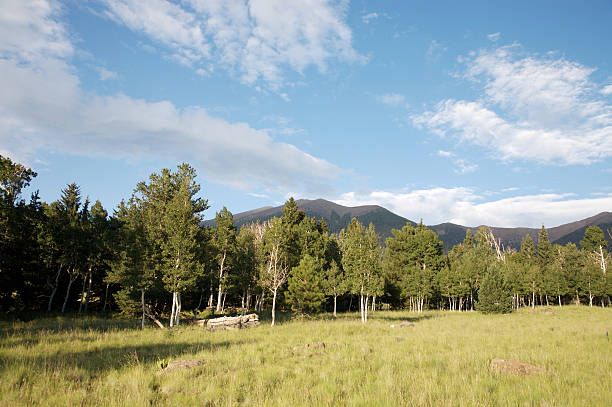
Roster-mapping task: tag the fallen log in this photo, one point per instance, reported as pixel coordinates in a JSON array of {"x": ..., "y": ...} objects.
[
  {"x": 239, "y": 322},
  {"x": 149, "y": 314}
]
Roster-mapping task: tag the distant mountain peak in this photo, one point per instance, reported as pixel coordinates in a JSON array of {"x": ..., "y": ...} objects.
[{"x": 338, "y": 217}]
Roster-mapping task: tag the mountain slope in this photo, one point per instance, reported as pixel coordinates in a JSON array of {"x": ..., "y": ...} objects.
[
  {"x": 338, "y": 217},
  {"x": 452, "y": 234}
]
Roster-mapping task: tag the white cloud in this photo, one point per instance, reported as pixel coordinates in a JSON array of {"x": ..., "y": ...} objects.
[
  {"x": 392, "y": 99},
  {"x": 494, "y": 37},
  {"x": 435, "y": 50},
  {"x": 255, "y": 39},
  {"x": 464, "y": 167},
  {"x": 43, "y": 108},
  {"x": 606, "y": 90},
  {"x": 106, "y": 75},
  {"x": 464, "y": 206},
  {"x": 369, "y": 17},
  {"x": 164, "y": 22},
  {"x": 535, "y": 108}
]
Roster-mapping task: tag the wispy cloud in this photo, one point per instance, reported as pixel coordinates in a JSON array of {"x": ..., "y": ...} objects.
[
  {"x": 435, "y": 50},
  {"x": 366, "y": 18},
  {"x": 494, "y": 37},
  {"x": 538, "y": 108},
  {"x": 464, "y": 206},
  {"x": 257, "y": 40},
  {"x": 392, "y": 99},
  {"x": 106, "y": 75},
  {"x": 39, "y": 85},
  {"x": 462, "y": 166}
]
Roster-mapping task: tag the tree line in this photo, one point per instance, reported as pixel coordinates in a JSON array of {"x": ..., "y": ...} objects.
[{"x": 152, "y": 258}]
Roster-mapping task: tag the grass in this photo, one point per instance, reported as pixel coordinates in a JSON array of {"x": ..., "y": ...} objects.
[{"x": 442, "y": 360}]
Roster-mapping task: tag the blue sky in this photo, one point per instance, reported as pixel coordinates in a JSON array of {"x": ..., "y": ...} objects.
[{"x": 469, "y": 112}]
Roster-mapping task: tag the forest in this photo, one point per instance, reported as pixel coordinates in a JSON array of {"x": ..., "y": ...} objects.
[{"x": 152, "y": 259}]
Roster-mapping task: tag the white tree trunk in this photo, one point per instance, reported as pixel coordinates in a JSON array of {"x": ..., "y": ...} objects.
[
  {"x": 173, "y": 311},
  {"x": 88, "y": 291},
  {"x": 144, "y": 311},
  {"x": 273, "y": 307},
  {"x": 335, "y": 298},
  {"x": 82, "y": 302},
  {"x": 54, "y": 287},
  {"x": 177, "y": 318},
  {"x": 219, "y": 305},
  {"x": 72, "y": 279}
]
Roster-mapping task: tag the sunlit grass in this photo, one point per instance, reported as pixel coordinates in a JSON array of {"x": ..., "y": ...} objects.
[{"x": 442, "y": 360}]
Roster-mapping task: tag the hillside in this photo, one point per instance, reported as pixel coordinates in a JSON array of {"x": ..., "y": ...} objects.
[{"x": 338, "y": 216}]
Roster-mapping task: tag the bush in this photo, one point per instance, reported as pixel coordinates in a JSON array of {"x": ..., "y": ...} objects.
[{"x": 494, "y": 295}]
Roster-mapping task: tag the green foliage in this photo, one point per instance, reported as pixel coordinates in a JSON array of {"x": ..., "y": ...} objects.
[
  {"x": 361, "y": 259},
  {"x": 13, "y": 178},
  {"x": 495, "y": 295},
  {"x": 305, "y": 291},
  {"x": 545, "y": 250},
  {"x": 412, "y": 261},
  {"x": 593, "y": 239}
]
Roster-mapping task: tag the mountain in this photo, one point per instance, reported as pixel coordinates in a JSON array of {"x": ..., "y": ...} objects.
[
  {"x": 452, "y": 234},
  {"x": 338, "y": 217}
]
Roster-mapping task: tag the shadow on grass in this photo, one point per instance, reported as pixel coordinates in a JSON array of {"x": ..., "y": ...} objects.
[
  {"x": 108, "y": 358},
  {"x": 286, "y": 316},
  {"x": 399, "y": 318},
  {"x": 33, "y": 331},
  {"x": 265, "y": 317}
]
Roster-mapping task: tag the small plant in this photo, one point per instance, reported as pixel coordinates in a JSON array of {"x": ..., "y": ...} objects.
[{"x": 162, "y": 363}]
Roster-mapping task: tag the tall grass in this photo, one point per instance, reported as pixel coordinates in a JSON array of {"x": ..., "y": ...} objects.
[{"x": 442, "y": 360}]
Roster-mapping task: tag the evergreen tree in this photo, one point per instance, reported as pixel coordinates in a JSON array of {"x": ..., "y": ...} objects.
[
  {"x": 305, "y": 290},
  {"x": 414, "y": 257},
  {"x": 494, "y": 295},
  {"x": 20, "y": 279}
]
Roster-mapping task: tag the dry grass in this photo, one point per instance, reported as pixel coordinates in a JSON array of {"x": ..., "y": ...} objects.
[{"x": 444, "y": 359}]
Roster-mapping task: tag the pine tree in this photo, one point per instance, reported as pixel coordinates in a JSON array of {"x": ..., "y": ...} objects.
[
  {"x": 494, "y": 295},
  {"x": 546, "y": 257},
  {"x": 305, "y": 290}
]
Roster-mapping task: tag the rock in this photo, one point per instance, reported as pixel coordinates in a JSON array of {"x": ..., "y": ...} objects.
[
  {"x": 513, "y": 366},
  {"x": 402, "y": 324},
  {"x": 181, "y": 365}
]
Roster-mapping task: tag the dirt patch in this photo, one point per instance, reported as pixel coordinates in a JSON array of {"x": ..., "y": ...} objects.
[
  {"x": 182, "y": 364},
  {"x": 513, "y": 366}
]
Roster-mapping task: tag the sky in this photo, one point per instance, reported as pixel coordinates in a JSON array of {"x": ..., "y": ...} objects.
[{"x": 476, "y": 112}]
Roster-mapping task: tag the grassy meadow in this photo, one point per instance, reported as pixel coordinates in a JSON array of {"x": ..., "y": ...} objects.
[{"x": 443, "y": 359}]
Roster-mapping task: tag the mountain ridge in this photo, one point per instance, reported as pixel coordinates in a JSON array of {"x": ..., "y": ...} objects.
[{"x": 338, "y": 217}]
